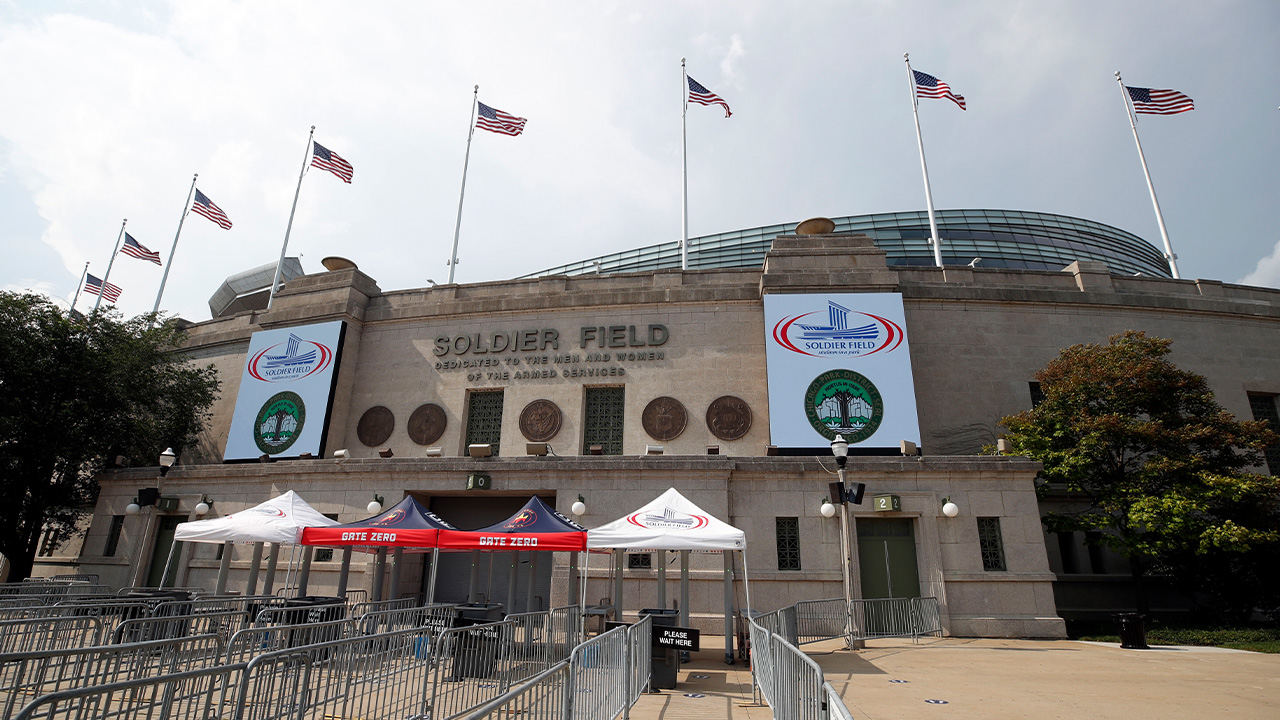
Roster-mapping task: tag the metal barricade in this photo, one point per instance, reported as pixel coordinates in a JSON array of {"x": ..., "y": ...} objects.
[
  {"x": 26, "y": 676},
  {"x": 361, "y": 608},
  {"x": 541, "y": 697},
  {"x": 836, "y": 709},
  {"x": 469, "y": 667},
  {"x": 49, "y": 633},
  {"x": 247, "y": 643},
  {"x": 789, "y": 681},
  {"x": 565, "y": 631},
  {"x": 189, "y": 695},
  {"x": 224, "y": 624},
  {"x": 895, "y": 617},
  {"x": 928, "y": 616},
  {"x": 639, "y": 658},
  {"x": 598, "y": 677},
  {"x": 818, "y": 620}
]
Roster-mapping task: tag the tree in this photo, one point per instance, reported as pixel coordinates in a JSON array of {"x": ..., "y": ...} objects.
[
  {"x": 75, "y": 393},
  {"x": 1148, "y": 456}
]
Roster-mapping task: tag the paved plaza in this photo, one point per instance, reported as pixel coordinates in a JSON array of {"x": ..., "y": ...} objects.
[{"x": 967, "y": 678}]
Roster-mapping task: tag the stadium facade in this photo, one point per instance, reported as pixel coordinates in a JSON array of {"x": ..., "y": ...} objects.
[{"x": 718, "y": 381}]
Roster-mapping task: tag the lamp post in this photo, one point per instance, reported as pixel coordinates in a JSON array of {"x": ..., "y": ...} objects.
[{"x": 840, "y": 449}]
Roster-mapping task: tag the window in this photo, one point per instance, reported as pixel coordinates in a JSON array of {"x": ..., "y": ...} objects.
[
  {"x": 639, "y": 561},
  {"x": 1067, "y": 550},
  {"x": 787, "y": 530},
  {"x": 49, "y": 542},
  {"x": 1037, "y": 395},
  {"x": 1264, "y": 409},
  {"x": 325, "y": 554},
  {"x": 602, "y": 423},
  {"x": 991, "y": 544},
  {"x": 484, "y": 418},
  {"x": 113, "y": 536}
]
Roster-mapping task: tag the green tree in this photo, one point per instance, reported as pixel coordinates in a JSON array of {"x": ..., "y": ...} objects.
[
  {"x": 75, "y": 393},
  {"x": 1147, "y": 456}
]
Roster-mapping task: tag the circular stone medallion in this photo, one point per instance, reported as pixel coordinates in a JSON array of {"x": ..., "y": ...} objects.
[
  {"x": 375, "y": 426},
  {"x": 729, "y": 418},
  {"x": 279, "y": 422},
  {"x": 427, "y": 424},
  {"x": 664, "y": 418},
  {"x": 540, "y": 420}
]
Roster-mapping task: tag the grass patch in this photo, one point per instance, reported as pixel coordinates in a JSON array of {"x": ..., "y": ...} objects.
[{"x": 1256, "y": 638}]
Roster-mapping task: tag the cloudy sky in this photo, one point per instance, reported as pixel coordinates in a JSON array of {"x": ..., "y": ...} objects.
[{"x": 109, "y": 108}]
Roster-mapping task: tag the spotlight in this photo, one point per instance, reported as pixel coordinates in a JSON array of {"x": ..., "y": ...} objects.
[
  {"x": 435, "y": 451},
  {"x": 341, "y": 454},
  {"x": 909, "y": 448},
  {"x": 539, "y": 449},
  {"x": 385, "y": 452},
  {"x": 713, "y": 449},
  {"x": 480, "y": 450},
  {"x": 652, "y": 449}
]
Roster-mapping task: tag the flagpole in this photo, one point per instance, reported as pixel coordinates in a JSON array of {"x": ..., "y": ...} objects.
[
  {"x": 684, "y": 164},
  {"x": 103, "y": 289},
  {"x": 928, "y": 194},
  {"x": 181, "y": 218},
  {"x": 75, "y": 299},
  {"x": 1164, "y": 234},
  {"x": 275, "y": 282},
  {"x": 466, "y": 161}
]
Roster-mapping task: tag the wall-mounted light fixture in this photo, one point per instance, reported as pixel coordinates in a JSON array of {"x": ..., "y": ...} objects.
[
  {"x": 375, "y": 506},
  {"x": 167, "y": 459},
  {"x": 595, "y": 450},
  {"x": 435, "y": 451},
  {"x": 1003, "y": 446},
  {"x": 949, "y": 508},
  {"x": 909, "y": 448},
  {"x": 307, "y": 456},
  {"x": 133, "y": 508},
  {"x": 539, "y": 449},
  {"x": 826, "y": 508},
  {"x": 203, "y": 507},
  {"x": 653, "y": 449},
  {"x": 579, "y": 506},
  {"x": 265, "y": 458},
  {"x": 341, "y": 454},
  {"x": 480, "y": 450},
  {"x": 713, "y": 449},
  {"x": 385, "y": 452}
]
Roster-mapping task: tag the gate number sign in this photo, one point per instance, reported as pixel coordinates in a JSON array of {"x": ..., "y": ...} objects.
[{"x": 676, "y": 638}]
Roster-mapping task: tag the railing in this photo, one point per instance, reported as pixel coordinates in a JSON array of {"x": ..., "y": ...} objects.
[
  {"x": 49, "y": 633},
  {"x": 257, "y": 640},
  {"x": 224, "y": 624},
  {"x": 896, "y": 617},
  {"x": 789, "y": 681},
  {"x": 541, "y": 697},
  {"x": 817, "y": 620},
  {"x": 470, "y": 666},
  {"x": 836, "y": 709}
]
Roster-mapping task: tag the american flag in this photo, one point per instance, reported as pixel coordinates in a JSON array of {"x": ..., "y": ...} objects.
[
  {"x": 497, "y": 121},
  {"x": 703, "y": 96},
  {"x": 1159, "y": 102},
  {"x": 94, "y": 286},
  {"x": 326, "y": 159},
  {"x": 928, "y": 86},
  {"x": 204, "y": 206},
  {"x": 132, "y": 248}
]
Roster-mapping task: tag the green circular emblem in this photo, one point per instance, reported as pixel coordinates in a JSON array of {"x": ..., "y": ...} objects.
[
  {"x": 279, "y": 422},
  {"x": 842, "y": 402}
]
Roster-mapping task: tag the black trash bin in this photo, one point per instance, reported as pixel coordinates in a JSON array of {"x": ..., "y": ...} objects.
[
  {"x": 476, "y": 652},
  {"x": 1133, "y": 635},
  {"x": 176, "y": 605},
  {"x": 476, "y": 613},
  {"x": 664, "y": 665},
  {"x": 309, "y": 610}
]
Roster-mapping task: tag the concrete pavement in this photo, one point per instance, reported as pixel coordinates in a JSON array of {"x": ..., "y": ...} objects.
[{"x": 996, "y": 679}]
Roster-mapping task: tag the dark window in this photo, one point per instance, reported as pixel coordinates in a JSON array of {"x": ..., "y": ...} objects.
[
  {"x": 113, "y": 536},
  {"x": 991, "y": 544},
  {"x": 639, "y": 561},
  {"x": 1264, "y": 409},
  {"x": 1093, "y": 543},
  {"x": 1067, "y": 550},
  {"x": 602, "y": 422},
  {"x": 325, "y": 554},
  {"x": 788, "y": 534},
  {"x": 484, "y": 418},
  {"x": 49, "y": 542},
  {"x": 1037, "y": 396}
]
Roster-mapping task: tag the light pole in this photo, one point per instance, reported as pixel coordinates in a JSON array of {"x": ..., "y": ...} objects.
[{"x": 842, "y": 496}]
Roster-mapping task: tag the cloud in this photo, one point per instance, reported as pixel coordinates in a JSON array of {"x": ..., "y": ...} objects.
[
  {"x": 1267, "y": 271},
  {"x": 728, "y": 65}
]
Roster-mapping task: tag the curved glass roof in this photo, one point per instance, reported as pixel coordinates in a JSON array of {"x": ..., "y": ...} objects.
[{"x": 996, "y": 238}]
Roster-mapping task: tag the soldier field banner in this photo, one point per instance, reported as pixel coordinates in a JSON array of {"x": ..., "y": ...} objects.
[
  {"x": 839, "y": 364},
  {"x": 286, "y": 392}
]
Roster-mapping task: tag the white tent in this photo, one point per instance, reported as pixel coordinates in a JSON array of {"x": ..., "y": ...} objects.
[
  {"x": 672, "y": 522},
  {"x": 278, "y": 521}
]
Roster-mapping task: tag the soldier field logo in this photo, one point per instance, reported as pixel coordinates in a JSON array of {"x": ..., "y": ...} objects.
[
  {"x": 843, "y": 402},
  {"x": 279, "y": 422}
]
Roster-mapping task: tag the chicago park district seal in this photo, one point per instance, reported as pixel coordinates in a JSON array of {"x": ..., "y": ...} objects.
[
  {"x": 843, "y": 402},
  {"x": 279, "y": 423}
]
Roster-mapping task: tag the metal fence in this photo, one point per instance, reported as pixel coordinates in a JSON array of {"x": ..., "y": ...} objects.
[
  {"x": 49, "y": 633},
  {"x": 817, "y": 620},
  {"x": 541, "y": 697},
  {"x": 896, "y": 617},
  {"x": 789, "y": 681}
]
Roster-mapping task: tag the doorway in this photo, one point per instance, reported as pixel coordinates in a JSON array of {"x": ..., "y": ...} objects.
[
  {"x": 887, "y": 558},
  {"x": 164, "y": 541}
]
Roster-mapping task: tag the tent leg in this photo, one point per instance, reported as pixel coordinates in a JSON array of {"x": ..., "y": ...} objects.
[
  {"x": 618, "y": 556},
  {"x": 532, "y": 591},
  {"x": 269, "y": 580},
  {"x": 513, "y": 575},
  {"x": 304, "y": 574},
  {"x": 224, "y": 568},
  {"x": 431, "y": 583},
  {"x": 344, "y": 574},
  {"x": 475, "y": 576},
  {"x": 379, "y": 573},
  {"x": 251, "y": 587},
  {"x": 167, "y": 562},
  {"x": 582, "y": 604},
  {"x": 728, "y": 606},
  {"x": 288, "y": 570},
  {"x": 684, "y": 588},
  {"x": 662, "y": 578},
  {"x": 396, "y": 556},
  {"x": 573, "y": 578}
]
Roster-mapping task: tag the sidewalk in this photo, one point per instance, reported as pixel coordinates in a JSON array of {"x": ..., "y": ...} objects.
[{"x": 996, "y": 679}]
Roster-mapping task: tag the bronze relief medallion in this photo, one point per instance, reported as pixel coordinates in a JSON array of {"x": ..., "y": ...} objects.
[
  {"x": 375, "y": 426},
  {"x": 729, "y": 418},
  {"x": 540, "y": 420},
  {"x": 427, "y": 424},
  {"x": 664, "y": 418}
]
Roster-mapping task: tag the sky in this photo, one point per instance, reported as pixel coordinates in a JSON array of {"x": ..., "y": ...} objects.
[{"x": 110, "y": 108}]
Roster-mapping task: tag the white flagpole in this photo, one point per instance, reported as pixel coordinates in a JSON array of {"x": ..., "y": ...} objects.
[
  {"x": 168, "y": 264},
  {"x": 115, "y": 249},
  {"x": 684, "y": 164},
  {"x": 75, "y": 299},
  {"x": 1164, "y": 234},
  {"x": 306, "y": 160},
  {"x": 928, "y": 194},
  {"x": 457, "y": 227}
]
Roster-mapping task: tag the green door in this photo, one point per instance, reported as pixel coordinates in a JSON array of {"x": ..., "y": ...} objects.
[
  {"x": 164, "y": 541},
  {"x": 887, "y": 558}
]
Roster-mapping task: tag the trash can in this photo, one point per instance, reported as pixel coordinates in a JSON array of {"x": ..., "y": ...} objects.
[
  {"x": 477, "y": 613},
  {"x": 664, "y": 664},
  {"x": 175, "y": 604},
  {"x": 1132, "y": 633},
  {"x": 309, "y": 610},
  {"x": 476, "y": 650}
]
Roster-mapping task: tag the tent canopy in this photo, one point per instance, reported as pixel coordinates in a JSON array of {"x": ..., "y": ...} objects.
[
  {"x": 536, "y": 526},
  {"x": 407, "y": 524},
  {"x": 279, "y": 520},
  {"x": 669, "y": 522}
]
